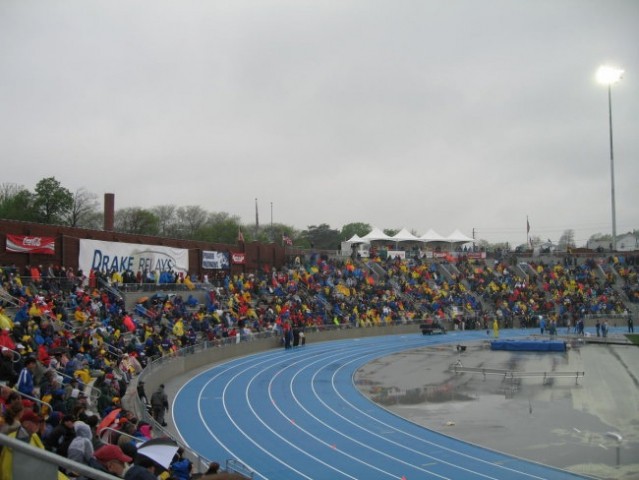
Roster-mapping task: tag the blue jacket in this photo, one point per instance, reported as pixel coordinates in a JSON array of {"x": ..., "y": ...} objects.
[{"x": 25, "y": 382}]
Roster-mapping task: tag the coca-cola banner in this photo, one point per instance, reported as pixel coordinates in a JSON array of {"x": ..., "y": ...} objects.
[
  {"x": 29, "y": 244},
  {"x": 238, "y": 258}
]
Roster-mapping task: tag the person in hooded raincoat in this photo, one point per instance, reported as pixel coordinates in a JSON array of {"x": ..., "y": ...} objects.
[{"x": 81, "y": 447}]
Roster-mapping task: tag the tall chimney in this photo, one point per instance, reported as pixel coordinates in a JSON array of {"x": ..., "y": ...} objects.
[{"x": 109, "y": 211}]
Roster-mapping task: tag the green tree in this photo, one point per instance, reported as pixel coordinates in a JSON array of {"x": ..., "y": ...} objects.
[
  {"x": 219, "y": 228},
  {"x": 136, "y": 220},
  {"x": 322, "y": 237},
  {"x": 357, "y": 228},
  {"x": 275, "y": 233},
  {"x": 52, "y": 201},
  {"x": 16, "y": 203}
]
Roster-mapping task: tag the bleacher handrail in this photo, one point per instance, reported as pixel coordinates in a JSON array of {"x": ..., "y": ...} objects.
[
  {"x": 44, "y": 457},
  {"x": 8, "y": 298},
  {"x": 15, "y": 355},
  {"x": 34, "y": 399},
  {"x": 119, "y": 433},
  {"x": 71, "y": 377}
]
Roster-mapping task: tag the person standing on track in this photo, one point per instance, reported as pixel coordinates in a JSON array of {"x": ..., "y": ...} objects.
[{"x": 159, "y": 405}]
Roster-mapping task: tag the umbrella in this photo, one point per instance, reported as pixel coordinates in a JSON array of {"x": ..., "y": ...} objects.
[
  {"x": 160, "y": 450},
  {"x": 108, "y": 420}
]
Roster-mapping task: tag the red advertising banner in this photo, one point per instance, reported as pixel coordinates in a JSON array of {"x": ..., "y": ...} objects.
[
  {"x": 238, "y": 258},
  {"x": 26, "y": 244}
]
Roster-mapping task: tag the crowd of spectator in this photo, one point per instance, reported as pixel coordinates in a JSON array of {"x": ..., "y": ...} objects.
[{"x": 69, "y": 347}]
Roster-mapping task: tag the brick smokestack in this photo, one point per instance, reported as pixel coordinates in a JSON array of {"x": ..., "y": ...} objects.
[{"x": 109, "y": 211}]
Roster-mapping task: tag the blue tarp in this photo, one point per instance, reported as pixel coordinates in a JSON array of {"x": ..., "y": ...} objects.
[{"x": 529, "y": 345}]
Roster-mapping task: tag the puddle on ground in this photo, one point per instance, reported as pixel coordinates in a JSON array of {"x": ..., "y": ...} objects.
[{"x": 526, "y": 417}]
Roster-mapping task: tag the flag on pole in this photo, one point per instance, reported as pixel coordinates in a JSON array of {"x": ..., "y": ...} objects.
[
  {"x": 527, "y": 226},
  {"x": 286, "y": 240},
  {"x": 240, "y": 235},
  {"x": 257, "y": 220}
]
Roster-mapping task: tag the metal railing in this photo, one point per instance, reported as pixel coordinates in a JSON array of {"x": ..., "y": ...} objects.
[
  {"x": 235, "y": 466},
  {"x": 92, "y": 396},
  {"x": 115, "y": 434},
  {"x": 34, "y": 399},
  {"x": 511, "y": 375},
  {"x": 9, "y": 299},
  {"x": 15, "y": 356},
  {"x": 33, "y": 462}
]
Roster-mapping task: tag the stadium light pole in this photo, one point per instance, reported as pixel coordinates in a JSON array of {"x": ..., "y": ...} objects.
[{"x": 609, "y": 76}]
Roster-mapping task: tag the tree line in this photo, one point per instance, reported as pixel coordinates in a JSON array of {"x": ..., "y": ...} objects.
[{"x": 52, "y": 203}]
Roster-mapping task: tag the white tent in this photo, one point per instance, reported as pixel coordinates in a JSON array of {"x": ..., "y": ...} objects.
[
  {"x": 376, "y": 234},
  {"x": 432, "y": 236},
  {"x": 458, "y": 237},
  {"x": 355, "y": 244},
  {"x": 356, "y": 239},
  {"x": 405, "y": 236}
]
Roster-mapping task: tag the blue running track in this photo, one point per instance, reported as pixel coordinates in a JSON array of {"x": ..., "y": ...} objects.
[{"x": 296, "y": 414}]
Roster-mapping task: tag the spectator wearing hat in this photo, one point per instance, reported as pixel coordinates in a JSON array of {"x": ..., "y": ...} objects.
[
  {"x": 30, "y": 425},
  {"x": 113, "y": 459}
]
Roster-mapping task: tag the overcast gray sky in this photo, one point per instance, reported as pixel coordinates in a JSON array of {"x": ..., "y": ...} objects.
[{"x": 469, "y": 114}]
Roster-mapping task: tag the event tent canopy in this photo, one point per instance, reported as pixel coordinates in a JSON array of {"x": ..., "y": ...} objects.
[
  {"x": 405, "y": 236},
  {"x": 458, "y": 237},
  {"x": 376, "y": 234},
  {"x": 432, "y": 236},
  {"x": 356, "y": 239}
]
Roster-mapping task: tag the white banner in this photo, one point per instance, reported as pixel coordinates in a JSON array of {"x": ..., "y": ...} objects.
[
  {"x": 110, "y": 256},
  {"x": 215, "y": 260}
]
